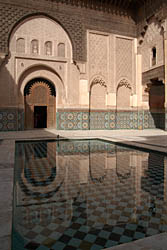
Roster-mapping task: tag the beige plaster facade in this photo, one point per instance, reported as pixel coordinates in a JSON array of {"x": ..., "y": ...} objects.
[{"x": 122, "y": 76}]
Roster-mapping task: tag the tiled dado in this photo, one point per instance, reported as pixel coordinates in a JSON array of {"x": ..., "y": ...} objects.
[
  {"x": 84, "y": 120},
  {"x": 11, "y": 119}
]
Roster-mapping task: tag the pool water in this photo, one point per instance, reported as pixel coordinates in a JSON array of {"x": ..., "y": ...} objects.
[{"x": 86, "y": 195}]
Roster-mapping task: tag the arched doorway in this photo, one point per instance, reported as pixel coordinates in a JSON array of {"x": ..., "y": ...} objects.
[
  {"x": 40, "y": 104},
  {"x": 123, "y": 93}
]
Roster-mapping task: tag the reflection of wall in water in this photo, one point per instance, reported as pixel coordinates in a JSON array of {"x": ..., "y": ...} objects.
[
  {"x": 152, "y": 181},
  {"x": 108, "y": 174},
  {"x": 101, "y": 177},
  {"x": 40, "y": 172}
]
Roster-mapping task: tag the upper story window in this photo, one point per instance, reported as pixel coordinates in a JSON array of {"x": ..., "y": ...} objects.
[
  {"x": 34, "y": 46},
  {"x": 48, "y": 48},
  {"x": 20, "y": 45},
  {"x": 61, "y": 49},
  {"x": 154, "y": 56}
]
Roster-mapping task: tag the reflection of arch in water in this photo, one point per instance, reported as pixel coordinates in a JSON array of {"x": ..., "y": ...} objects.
[
  {"x": 120, "y": 162},
  {"x": 32, "y": 163},
  {"x": 29, "y": 176},
  {"x": 95, "y": 180},
  {"x": 123, "y": 177},
  {"x": 124, "y": 92},
  {"x": 28, "y": 192}
]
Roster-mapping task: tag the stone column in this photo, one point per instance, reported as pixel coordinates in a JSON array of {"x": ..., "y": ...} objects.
[
  {"x": 164, "y": 25},
  {"x": 137, "y": 99},
  {"x": 139, "y": 80}
]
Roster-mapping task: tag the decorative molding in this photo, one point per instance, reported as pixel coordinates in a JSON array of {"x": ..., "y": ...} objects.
[
  {"x": 156, "y": 73},
  {"x": 98, "y": 80},
  {"x": 28, "y": 87},
  {"x": 124, "y": 82}
]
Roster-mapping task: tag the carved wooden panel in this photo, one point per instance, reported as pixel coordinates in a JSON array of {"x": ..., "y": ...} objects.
[{"x": 39, "y": 94}]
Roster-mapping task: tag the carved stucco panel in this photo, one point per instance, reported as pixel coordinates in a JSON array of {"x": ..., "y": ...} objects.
[
  {"x": 124, "y": 64},
  {"x": 98, "y": 54},
  {"x": 124, "y": 82},
  {"x": 152, "y": 38}
]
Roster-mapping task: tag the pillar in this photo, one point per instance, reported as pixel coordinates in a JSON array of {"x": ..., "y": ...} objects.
[{"x": 165, "y": 64}]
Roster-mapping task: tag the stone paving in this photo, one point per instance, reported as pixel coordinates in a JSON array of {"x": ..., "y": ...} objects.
[{"x": 147, "y": 139}]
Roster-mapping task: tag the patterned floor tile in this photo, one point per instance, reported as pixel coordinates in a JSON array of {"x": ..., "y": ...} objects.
[{"x": 102, "y": 208}]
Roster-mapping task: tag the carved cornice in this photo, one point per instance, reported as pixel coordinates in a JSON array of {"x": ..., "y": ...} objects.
[
  {"x": 142, "y": 28},
  {"x": 105, "y": 4},
  {"x": 156, "y": 73}
]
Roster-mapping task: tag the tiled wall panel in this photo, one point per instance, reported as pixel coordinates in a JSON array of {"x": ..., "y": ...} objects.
[
  {"x": 13, "y": 120},
  {"x": 102, "y": 120}
]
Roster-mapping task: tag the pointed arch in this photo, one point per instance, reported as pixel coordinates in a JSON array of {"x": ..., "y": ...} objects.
[
  {"x": 40, "y": 104},
  {"x": 98, "y": 91},
  {"x": 31, "y": 16},
  {"x": 98, "y": 80},
  {"x": 123, "y": 94},
  {"x": 30, "y": 84}
]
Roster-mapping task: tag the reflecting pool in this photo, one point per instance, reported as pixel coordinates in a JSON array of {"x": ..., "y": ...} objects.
[{"x": 86, "y": 195}]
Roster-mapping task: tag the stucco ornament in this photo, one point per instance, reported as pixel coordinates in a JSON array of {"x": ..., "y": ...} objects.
[
  {"x": 99, "y": 80},
  {"x": 124, "y": 82}
]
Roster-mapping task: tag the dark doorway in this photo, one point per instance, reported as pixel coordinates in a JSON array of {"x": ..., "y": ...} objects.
[
  {"x": 157, "y": 103},
  {"x": 40, "y": 116},
  {"x": 40, "y": 104}
]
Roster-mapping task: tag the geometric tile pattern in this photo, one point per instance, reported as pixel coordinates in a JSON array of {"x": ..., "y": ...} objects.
[
  {"x": 13, "y": 119},
  {"x": 116, "y": 196},
  {"x": 72, "y": 120},
  {"x": 80, "y": 146},
  {"x": 8, "y": 119},
  {"x": 20, "y": 119},
  {"x": 82, "y": 120},
  {"x": 153, "y": 120}
]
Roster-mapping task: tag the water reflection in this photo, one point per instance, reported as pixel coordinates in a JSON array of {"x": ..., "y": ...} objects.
[{"x": 85, "y": 188}]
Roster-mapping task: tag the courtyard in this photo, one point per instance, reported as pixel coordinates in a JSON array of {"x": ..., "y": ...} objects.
[{"x": 154, "y": 140}]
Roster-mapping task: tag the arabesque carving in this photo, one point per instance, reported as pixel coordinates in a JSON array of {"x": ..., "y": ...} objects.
[
  {"x": 99, "y": 80},
  {"x": 124, "y": 82},
  {"x": 29, "y": 86}
]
